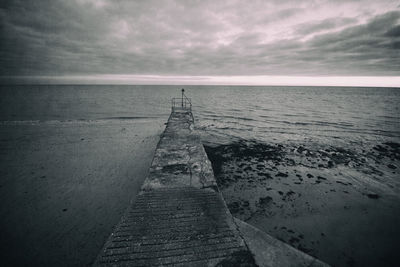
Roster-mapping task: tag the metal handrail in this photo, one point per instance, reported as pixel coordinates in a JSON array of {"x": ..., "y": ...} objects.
[
  {"x": 182, "y": 103},
  {"x": 177, "y": 103},
  {"x": 188, "y": 99}
]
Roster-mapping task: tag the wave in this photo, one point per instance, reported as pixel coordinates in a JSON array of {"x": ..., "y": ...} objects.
[
  {"x": 75, "y": 121},
  {"x": 229, "y": 117},
  {"x": 129, "y": 118}
]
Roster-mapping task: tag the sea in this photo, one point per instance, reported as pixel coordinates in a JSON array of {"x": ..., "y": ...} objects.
[
  {"x": 222, "y": 113},
  {"x": 316, "y": 167}
]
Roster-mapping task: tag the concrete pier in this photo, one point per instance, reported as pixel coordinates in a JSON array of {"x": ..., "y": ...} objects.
[{"x": 180, "y": 218}]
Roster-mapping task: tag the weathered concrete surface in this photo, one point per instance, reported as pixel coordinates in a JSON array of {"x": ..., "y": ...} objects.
[
  {"x": 180, "y": 159},
  {"x": 269, "y": 251},
  {"x": 179, "y": 217}
]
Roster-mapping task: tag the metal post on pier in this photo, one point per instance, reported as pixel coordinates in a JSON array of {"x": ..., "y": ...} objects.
[
  {"x": 185, "y": 103},
  {"x": 183, "y": 92}
]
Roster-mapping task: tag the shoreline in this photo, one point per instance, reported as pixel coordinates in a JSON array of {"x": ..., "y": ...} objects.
[{"x": 65, "y": 186}]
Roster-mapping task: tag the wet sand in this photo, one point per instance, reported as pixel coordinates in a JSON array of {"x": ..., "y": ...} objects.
[
  {"x": 338, "y": 204},
  {"x": 65, "y": 185}
]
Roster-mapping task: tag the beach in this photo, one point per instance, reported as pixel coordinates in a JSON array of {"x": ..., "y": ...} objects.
[
  {"x": 337, "y": 204},
  {"x": 316, "y": 167},
  {"x": 65, "y": 185}
]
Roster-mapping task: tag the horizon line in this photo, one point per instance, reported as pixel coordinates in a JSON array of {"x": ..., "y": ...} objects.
[{"x": 239, "y": 80}]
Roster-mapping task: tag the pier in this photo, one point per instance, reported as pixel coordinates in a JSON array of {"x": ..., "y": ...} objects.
[{"x": 180, "y": 218}]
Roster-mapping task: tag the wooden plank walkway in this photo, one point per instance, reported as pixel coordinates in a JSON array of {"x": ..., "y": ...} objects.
[{"x": 179, "y": 218}]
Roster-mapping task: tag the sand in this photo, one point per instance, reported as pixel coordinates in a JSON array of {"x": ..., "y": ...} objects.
[
  {"x": 336, "y": 203},
  {"x": 65, "y": 185}
]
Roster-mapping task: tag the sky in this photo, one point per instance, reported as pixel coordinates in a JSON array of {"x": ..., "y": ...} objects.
[{"x": 338, "y": 42}]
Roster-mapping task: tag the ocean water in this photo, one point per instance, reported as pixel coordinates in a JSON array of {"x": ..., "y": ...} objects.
[
  {"x": 344, "y": 117},
  {"x": 316, "y": 167},
  {"x": 223, "y": 113}
]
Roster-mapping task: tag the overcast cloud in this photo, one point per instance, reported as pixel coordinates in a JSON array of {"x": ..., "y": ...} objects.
[{"x": 306, "y": 38}]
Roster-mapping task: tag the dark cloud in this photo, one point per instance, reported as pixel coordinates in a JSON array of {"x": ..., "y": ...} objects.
[
  {"x": 326, "y": 24},
  {"x": 54, "y": 37},
  {"x": 393, "y": 32},
  {"x": 366, "y": 48}
]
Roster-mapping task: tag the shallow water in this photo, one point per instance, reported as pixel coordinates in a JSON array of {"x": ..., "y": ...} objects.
[
  {"x": 261, "y": 113},
  {"x": 317, "y": 167},
  {"x": 353, "y": 117}
]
